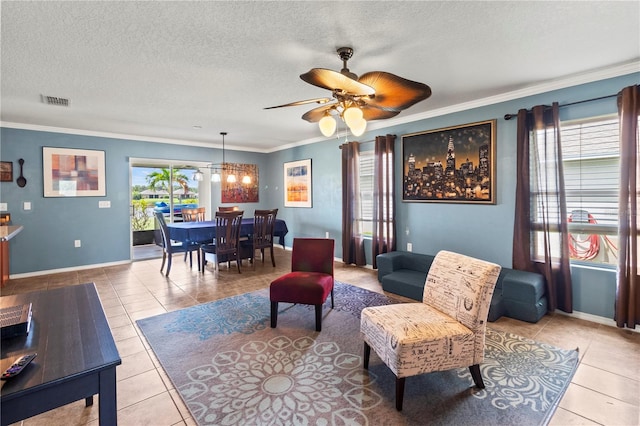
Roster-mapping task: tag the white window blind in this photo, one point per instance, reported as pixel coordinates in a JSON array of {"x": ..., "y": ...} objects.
[
  {"x": 366, "y": 193},
  {"x": 591, "y": 163}
]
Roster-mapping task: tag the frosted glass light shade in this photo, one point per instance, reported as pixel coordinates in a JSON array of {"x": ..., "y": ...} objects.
[
  {"x": 327, "y": 125},
  {"x": 231, "y": 178},
  {"x": 198, "y": 176},
  {"x": 246, "y": 179},
  {"x": 352, "y": 115},
  {"x": 358, "y": 127},
  {"x": 215, "y": 177}
]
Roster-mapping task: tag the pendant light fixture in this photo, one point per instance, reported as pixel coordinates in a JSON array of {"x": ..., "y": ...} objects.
[{"x": 231, "y": 170}]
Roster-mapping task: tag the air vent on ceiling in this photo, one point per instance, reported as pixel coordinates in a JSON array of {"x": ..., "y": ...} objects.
[{"x": 54, "y": 100}]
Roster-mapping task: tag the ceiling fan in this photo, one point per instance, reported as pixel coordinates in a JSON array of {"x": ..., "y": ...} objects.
[{"x": 376, "y": 95}]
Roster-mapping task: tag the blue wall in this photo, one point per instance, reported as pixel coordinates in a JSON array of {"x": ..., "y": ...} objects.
[{"x": 484, "y": 231}]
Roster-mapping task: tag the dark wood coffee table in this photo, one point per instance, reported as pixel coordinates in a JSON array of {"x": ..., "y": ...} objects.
[{"x": 77, "y": 356}]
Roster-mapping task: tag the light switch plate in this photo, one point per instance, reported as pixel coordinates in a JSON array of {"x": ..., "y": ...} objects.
[
  {"x": 104, "y": 204},
  {"x": 27, "y": 205},
  {"x": 3, "y": 207}
]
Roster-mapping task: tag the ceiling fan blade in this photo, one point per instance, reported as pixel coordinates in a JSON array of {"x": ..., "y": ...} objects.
[
  {"x": 308, "y": 101},
  {"x": 393, "y": 92},
  {"x": 332, "y": 80},
  {"x": 372, "y": 113},
  {"x": 316, "y": 114}
]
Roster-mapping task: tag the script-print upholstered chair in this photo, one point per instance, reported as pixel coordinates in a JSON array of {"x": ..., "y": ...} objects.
[
  {"x": 170, "y": 247},
  {"x": 310, "y": 280},
  {"x": 445, "y": 331},
  {"x": 262, "y": 237},
  {"x": 226, "y": 246}
]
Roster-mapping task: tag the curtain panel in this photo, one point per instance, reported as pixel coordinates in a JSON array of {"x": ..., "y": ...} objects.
[
  {"x": 627, "y": 308},
  {"x": 540, "y": 242},
  {"x": 352, "y": 243},
  {"x": 384, "y": 222}
]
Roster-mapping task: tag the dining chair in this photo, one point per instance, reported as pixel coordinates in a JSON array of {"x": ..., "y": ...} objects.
[
  {"x": 228, "y": 208},
  {"x": 262, "y": 236},
  {"x": 193, "y": 215},
  {"x": 226, "y": 245},
  {"x": 445, "y": 331},
  {"x": 311, "y": 278},
  {"x": 169, "y": 247}
]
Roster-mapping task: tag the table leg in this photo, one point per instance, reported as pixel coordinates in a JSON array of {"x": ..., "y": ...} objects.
[{"x": 108, "y": 410}]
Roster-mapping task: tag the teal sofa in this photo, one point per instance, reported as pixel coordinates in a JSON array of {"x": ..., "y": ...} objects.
[{"x": 518, "y": 294}]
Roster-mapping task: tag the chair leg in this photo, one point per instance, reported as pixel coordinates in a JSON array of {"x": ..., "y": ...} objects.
[
  {"x": 238, "y": 261},
  {"x": 274, "y": 314},
  {"x": 367, "y": 355},
  {"x": 399, "y": 392},
  {"x": 169, "y": 257},
  {"x": 477, "y": 377},
  {"x": 273, "y": 260},
  {"x": 164, "y": 259},
  {"x": 318, "y": 317},
  {"x": 331, "y": 298}
]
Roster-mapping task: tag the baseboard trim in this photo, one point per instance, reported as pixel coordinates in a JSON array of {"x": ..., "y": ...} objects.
[
  {"x": 69, "y": 269},
  {"x": 595, "y": 318}
]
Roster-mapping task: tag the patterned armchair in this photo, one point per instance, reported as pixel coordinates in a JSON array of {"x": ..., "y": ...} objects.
[{"x": 445, "y": 331}]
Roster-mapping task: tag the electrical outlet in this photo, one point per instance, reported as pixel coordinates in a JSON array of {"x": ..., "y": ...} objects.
[
  {"x": 409, "y": 247},
  {"x": 77, "y": 243},
  {"x": 104, "y": 204}
]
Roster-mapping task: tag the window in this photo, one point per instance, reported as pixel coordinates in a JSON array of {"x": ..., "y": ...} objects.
[
  {"x": 365, "y": 174},
  {"x": 365, "y": 192},
  {"x": 591, "y": 163},
  {"x": 591, "y": 160}
]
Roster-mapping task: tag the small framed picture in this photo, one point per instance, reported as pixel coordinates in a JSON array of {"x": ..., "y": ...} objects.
[
  {"x": 297, "y": 183},
  {"x": 6, "y": 171},
  {"x": 71, "y": 172}
]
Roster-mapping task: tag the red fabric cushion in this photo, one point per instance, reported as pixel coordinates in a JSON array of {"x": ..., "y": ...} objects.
[{"x": 309, "y": 288}]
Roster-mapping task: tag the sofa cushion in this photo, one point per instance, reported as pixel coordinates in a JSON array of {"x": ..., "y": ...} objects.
[
  {"x": 522, "y": 286},
  {"x": 405, "y": 282}
]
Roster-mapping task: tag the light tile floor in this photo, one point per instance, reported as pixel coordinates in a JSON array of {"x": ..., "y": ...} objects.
[{"x": 605, "y": 389}]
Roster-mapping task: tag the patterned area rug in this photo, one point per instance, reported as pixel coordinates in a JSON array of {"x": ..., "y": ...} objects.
[{"x": 230, "y": 367}]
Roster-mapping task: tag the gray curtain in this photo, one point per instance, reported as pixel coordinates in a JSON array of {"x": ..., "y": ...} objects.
[
  {"x": 384, "y": 222},
  {"x": 352, "y": 244},
  {"x": 627, "y": 309},
  {"x": 541, "y": 209}
]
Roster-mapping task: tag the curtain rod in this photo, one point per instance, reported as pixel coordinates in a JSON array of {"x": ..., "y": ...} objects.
[
  {"x": 371, "y": 141},
  {"x": 510, "y": 116}
]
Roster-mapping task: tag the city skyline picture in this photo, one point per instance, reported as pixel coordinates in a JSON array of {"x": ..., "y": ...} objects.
[{"x": 453, "y": 164}]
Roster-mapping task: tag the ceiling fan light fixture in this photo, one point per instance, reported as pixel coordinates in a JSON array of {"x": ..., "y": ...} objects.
[
  {"x": 231, "y": 178},
  {"x": 215, "y": 177},
  {"x": 351, "y": 115},
  {"x": 327, "y": 125},
  {"x": 246, "y": 179},
  {"x": 358, "y": 127}
]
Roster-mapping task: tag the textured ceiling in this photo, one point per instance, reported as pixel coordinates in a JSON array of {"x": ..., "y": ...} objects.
[{"x": 154, "y": 69}]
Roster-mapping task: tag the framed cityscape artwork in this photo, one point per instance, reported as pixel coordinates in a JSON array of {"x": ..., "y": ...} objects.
[
  {"x": 71, "y": 172},
  {"x": 450, "y": 165},
  {"x": 297, "y": 183}
]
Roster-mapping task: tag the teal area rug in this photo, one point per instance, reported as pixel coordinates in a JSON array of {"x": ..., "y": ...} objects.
[{"x": 230, "y": 367}]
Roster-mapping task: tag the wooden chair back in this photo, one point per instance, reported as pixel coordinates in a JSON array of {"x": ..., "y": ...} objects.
[
  {"x": 228, "y": 233},
  {"x": 193, "y": 215},
  {"x": 228, "y": 208}
]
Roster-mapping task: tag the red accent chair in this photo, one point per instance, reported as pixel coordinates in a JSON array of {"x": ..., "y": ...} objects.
[{"x": 310, "y": 280}]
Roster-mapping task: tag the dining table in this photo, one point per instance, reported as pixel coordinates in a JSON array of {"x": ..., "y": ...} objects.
[{"x": 205, "y": 231}]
